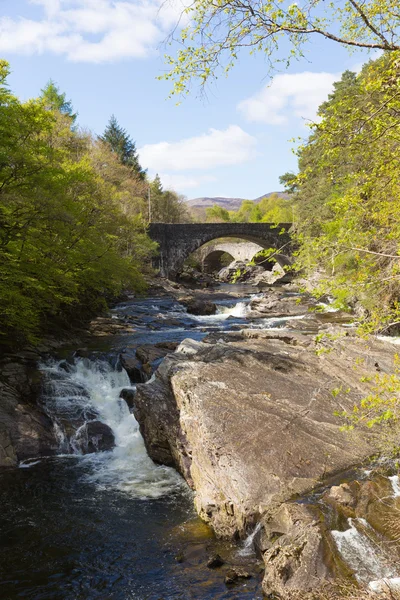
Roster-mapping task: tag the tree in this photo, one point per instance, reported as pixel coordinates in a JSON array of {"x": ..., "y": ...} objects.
[
  {"x": 55, "y": 100},
  {"x": 218, "y": 31},
  {"x": 71, "y": 231},
  {"x": 166, "y": 205},
  {"x": 124, "y": 147},
  {"x": 349, "y": 190},
  {"x": 217, "y": 214}
]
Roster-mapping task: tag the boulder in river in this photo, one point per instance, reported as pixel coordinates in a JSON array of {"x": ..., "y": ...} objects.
[
  {"x": 133, "y": 367},
  {"x": 149, "y": 353},
  {"x": 94, "y": 436},
  {"x": 128, "y": 395},
  {"x": 25, "y": 428},
  {"x": 198, "y": 306}
]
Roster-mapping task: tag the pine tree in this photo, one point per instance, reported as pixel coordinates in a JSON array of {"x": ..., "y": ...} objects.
[
  {"x": 120, "y": 142},
  {"x": 55, "y": 100}
]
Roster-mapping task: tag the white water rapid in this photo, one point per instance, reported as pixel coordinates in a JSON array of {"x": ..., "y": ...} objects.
[
  {"x": 89, "y": 391},
  {"x": 248, "y": 545},
  {"x": 363, "y": 555}
]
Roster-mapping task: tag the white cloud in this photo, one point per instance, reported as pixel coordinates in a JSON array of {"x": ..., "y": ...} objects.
[
  {"x": 297, "y": 94},
  {"x": 180, "y": 183},
  {"x": 207, "y": 151},
  {"x": 123, "y": 29}
]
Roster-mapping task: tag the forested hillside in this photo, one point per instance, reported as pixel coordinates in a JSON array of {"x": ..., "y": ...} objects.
[
  {"x": 272, "y": 208},
  {"x": 347, "y": 193},
  {"x": 73, "y": 215}
]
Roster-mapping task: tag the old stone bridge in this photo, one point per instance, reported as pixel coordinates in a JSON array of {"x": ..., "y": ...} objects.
[{"x": 178, "y": 241}]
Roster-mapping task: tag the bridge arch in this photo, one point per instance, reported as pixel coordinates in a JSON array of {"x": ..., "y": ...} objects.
[
  {"x": 178, "y": 241},
  {"x": 213, "y": 260}
]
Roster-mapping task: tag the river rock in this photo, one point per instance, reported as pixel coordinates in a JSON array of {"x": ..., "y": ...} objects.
[
  {"x": 239, "y": 272},
  {"x": 250, "y": 423},
  {"x": 133, "y": 367},
  {"x": 94, "y": 436},
  {"x": 341, "y": 494},
  {"x": 199, "y": 306},
  {"x": 234, "y": 574},
  {"x": 215, "y": 561},
  {"x": 148, "y": 353},
  {"x": 25, "y": 429},
  {"x": 129, "y": 396},
  {"x": 294, "y": 559},
  {"x": 277, "y": 304}
]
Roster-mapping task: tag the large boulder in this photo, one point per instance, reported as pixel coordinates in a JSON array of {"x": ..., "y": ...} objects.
[
  {"x": 199, "y": 306},
  {"x": 25, "y": 429},
  {"x": 276, "y": 303},
  {"x": 149, "y": 353},
  {"x": 133, "y": 366},
  {"x": 94, "y": 436},
  {"x": 250, "y": 423}
]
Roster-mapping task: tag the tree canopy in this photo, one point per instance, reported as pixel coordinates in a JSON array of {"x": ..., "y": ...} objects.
[
  {"x": 219, "y": 31},
  {"x": 73, "y": 218},
  {"x": 348, "y": 197},
  {"x": 271, "y": 209}
]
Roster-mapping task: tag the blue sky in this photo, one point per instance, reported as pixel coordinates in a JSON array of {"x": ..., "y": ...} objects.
[{"x": 106, "y": 55}]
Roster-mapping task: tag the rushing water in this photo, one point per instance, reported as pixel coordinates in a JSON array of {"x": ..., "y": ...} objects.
[{"x": 113, "y": 525}]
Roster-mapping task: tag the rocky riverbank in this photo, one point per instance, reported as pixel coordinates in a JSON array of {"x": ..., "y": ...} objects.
[{"x": 248, "y": 419}]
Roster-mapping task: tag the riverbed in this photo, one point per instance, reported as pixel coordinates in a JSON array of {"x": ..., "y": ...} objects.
[{"x": 113, "y": 525}]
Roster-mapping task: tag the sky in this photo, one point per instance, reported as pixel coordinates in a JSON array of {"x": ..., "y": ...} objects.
[{"x": 234, "y": 141}]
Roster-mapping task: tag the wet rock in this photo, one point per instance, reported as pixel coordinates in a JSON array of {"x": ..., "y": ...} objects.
[
  {"x": 149, "y": 353},
  {"x": 215, "y": 561},
  {"x": 234, "y": 574},
  {"x": 94, "y": 436},
  {"x": 8, "y": 457},
  {"x": 170, "y": 346},
  {"x": 133, "y": 367},
  {"x": 25, "y": 429},
  {"x": 198, "y": 306},
  {"x": 295, "y": 558},
  {"x": 277, "y": 304},
  {"x": 129, "y": 396},
  {"x": 341, "y": 494}
]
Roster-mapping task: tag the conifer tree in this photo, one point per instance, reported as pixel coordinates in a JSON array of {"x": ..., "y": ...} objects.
[
  {"x": 121, "y": 143},
  {"x": 55, "y": 100}
]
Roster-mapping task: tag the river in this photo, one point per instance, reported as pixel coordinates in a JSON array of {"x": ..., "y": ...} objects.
[{"x": 113, "y": 525}]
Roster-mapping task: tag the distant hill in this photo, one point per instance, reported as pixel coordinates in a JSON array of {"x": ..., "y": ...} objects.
[{"x": 228, "y": 203}]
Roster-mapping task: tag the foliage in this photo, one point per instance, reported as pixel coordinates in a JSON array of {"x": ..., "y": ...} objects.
[
  {"x": 166, "y": 205},
  {"x": 217, "y": 214},
  {"x": 348, "y": 197},
  {"x": 55, "y": 100},
  {"x": 271, "y": 209},
  {"x": 124, "y": 147},
  {"x": 218, "y": 31},
  {"x": 382, "y": 404},
  {"x": 71, "y": 228}
]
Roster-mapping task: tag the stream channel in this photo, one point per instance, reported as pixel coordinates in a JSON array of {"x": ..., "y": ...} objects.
[{"x": 113, "y": 525}]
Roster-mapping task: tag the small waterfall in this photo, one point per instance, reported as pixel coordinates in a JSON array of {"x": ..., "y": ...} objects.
[
  {"x": 86, "y": 392},
  {"x": 248, "y": 545},
  {"x": 362, "y": 555},
  {"x": 394, "y": 480}
]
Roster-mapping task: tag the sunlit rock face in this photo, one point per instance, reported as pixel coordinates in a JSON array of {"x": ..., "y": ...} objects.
[{"x": 249, "y": 422}]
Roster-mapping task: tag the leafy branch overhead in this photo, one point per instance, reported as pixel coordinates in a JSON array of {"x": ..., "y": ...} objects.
[{"x": 218, "y": 31}]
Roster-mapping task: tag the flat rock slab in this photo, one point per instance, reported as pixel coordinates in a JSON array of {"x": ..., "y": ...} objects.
[{"x": 250, "y": 422}]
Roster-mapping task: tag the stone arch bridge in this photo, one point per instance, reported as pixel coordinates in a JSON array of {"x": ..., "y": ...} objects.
[{"x": 178, "y": 241}]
